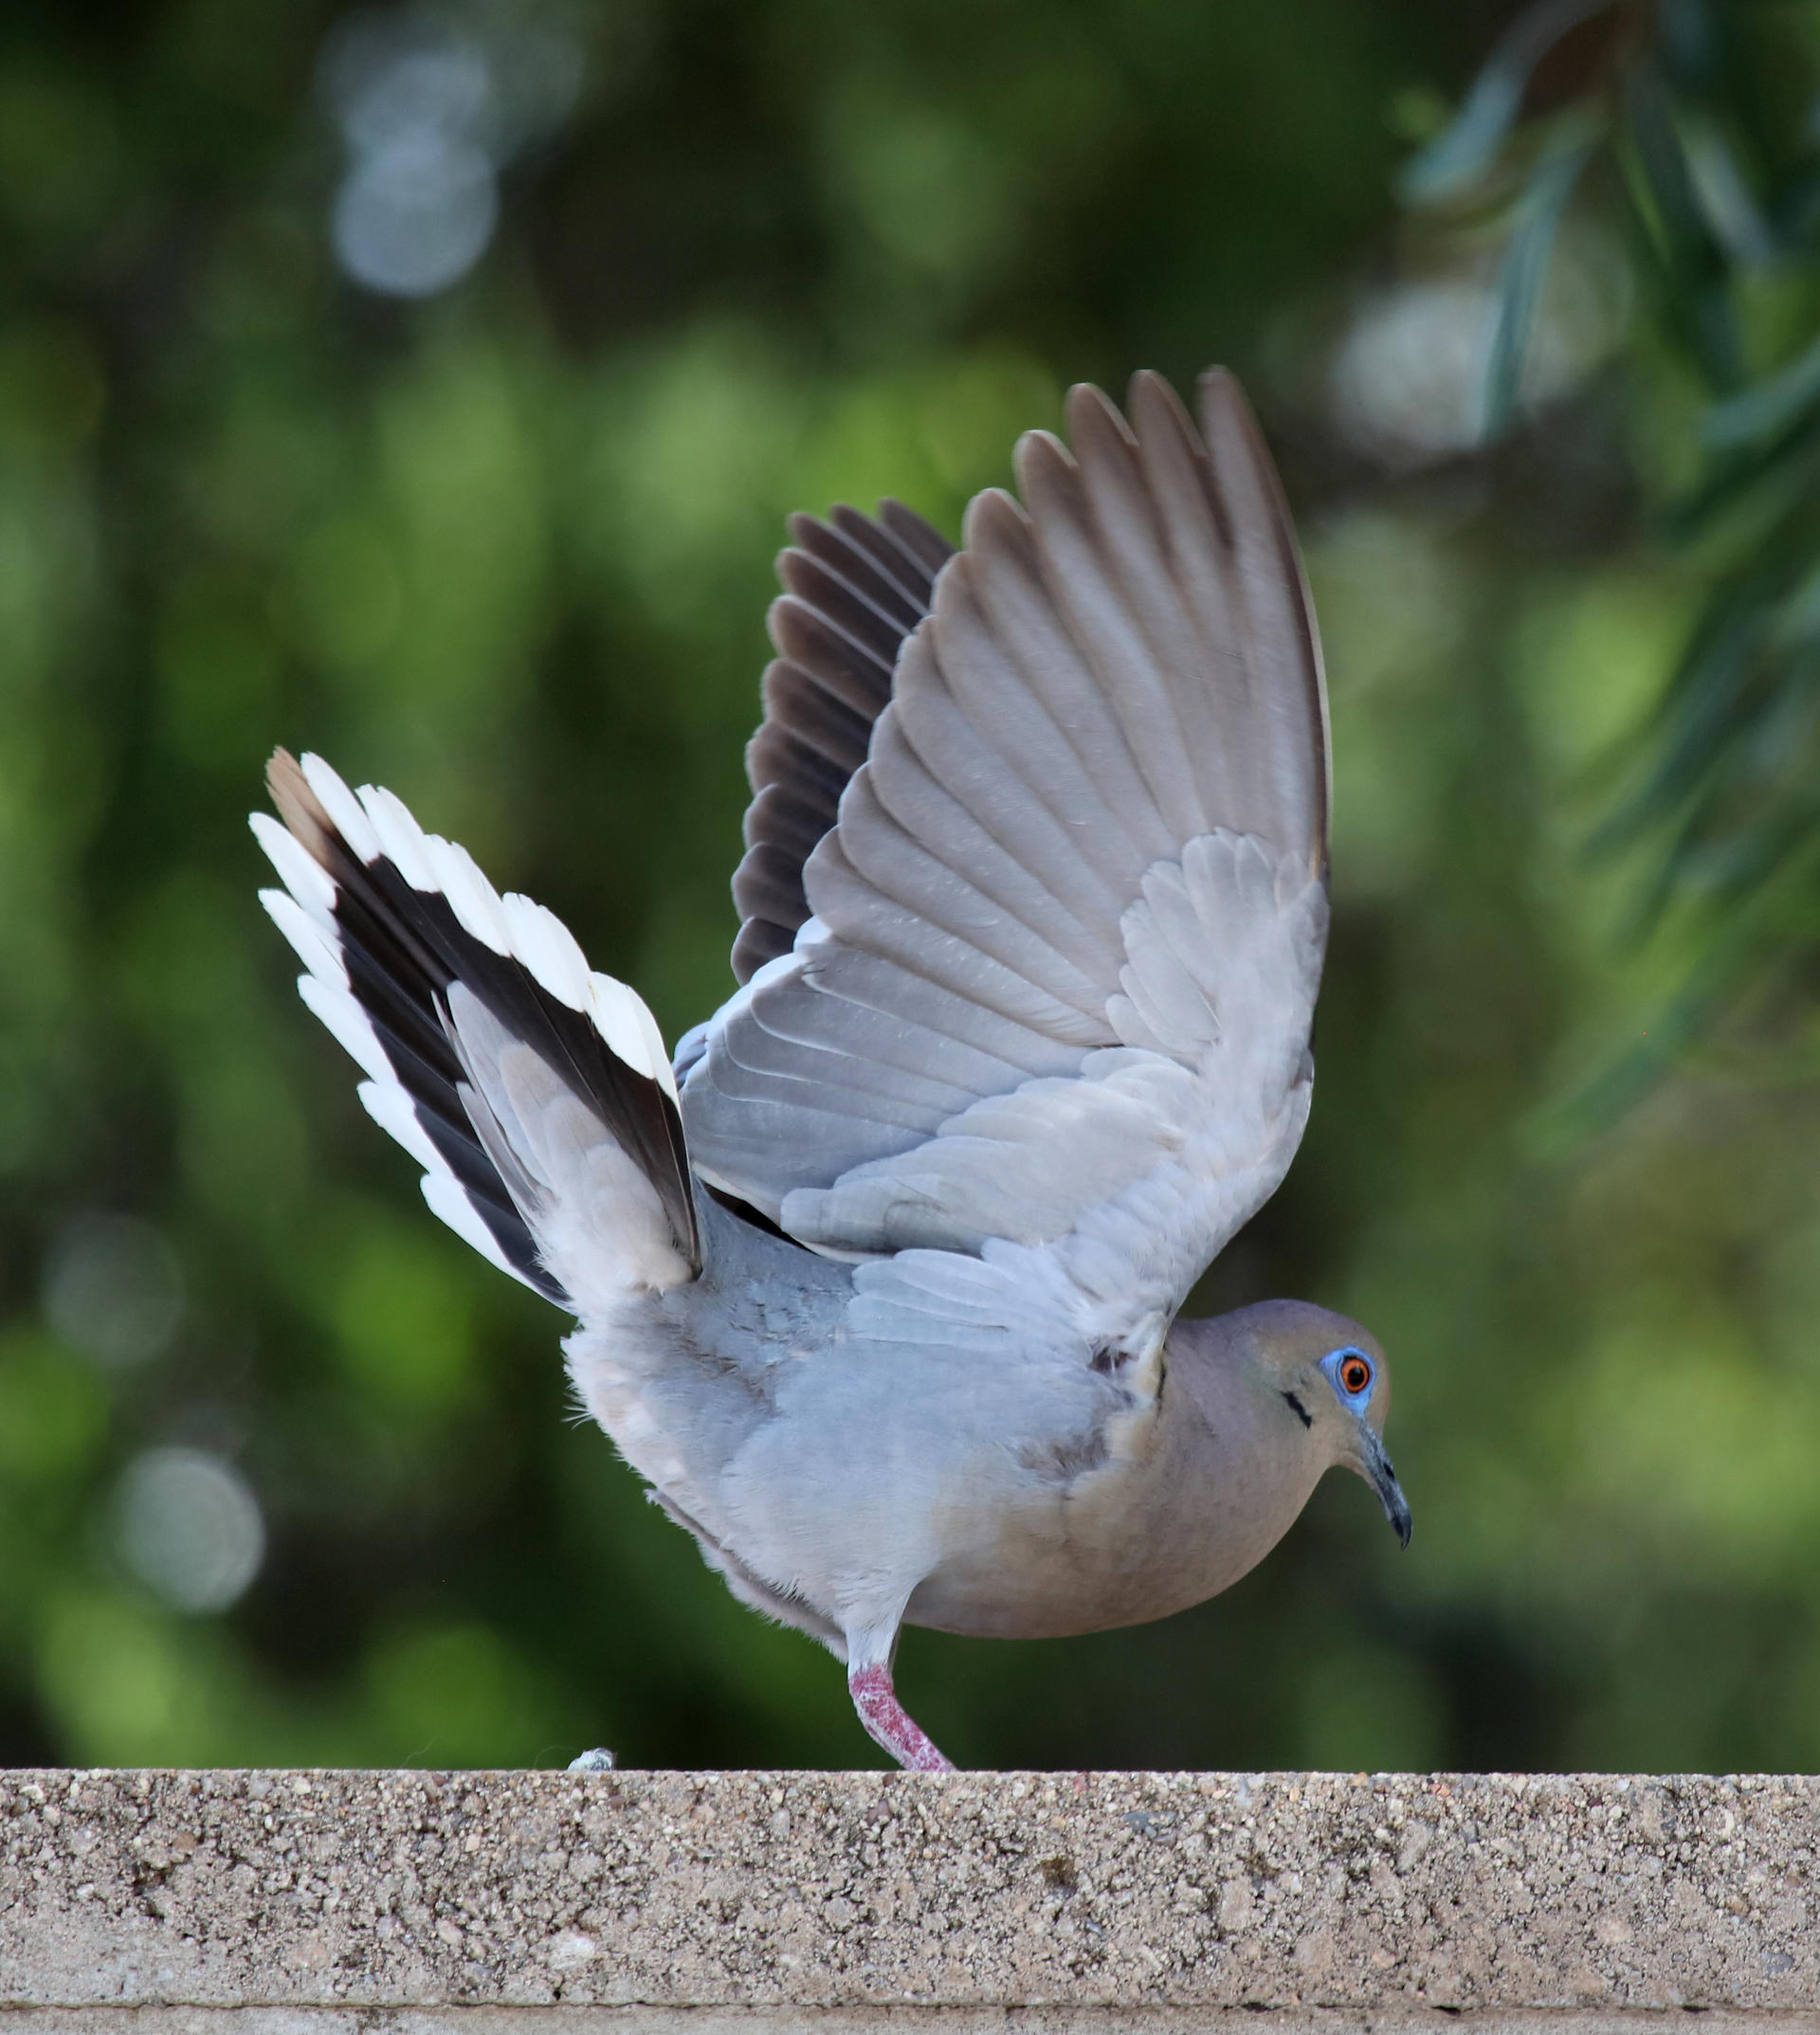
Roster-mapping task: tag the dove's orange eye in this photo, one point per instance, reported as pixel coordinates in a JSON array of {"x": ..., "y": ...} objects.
[{"x": 1352, "y": 1375}]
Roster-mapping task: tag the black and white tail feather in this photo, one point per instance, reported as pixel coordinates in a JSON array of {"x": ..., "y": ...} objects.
[{"x": 535, "y": 1092}]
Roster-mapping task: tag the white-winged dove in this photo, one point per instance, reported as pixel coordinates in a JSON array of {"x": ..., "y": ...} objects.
[{"x": 877, "y": 1288}]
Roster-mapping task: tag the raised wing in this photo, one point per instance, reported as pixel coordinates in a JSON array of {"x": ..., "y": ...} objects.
[{"x": 1057, "y": 986}]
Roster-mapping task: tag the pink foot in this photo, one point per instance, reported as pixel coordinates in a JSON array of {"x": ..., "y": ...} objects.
[{"x": 882, "y": 1714}]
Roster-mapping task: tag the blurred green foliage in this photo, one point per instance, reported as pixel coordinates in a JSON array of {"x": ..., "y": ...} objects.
[
  {"x": 505, "y": 546},
  {"x": 1689, "y": 125}
]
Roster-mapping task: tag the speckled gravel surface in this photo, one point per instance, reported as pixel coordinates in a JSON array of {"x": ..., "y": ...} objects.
[{"x": 1386, "y": 1895}]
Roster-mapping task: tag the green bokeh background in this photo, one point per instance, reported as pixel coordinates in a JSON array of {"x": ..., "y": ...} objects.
[{"x": 507, "y": 550}]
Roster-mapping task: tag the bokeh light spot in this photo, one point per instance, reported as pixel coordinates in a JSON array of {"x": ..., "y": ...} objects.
[
  {"x": 429, "y": 110},
  {"x": 189, "y": 1528},
  {"x": 415, "y": 216}
]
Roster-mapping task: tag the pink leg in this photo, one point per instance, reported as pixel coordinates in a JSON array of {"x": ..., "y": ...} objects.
[{"x": 882, "y": 1714}]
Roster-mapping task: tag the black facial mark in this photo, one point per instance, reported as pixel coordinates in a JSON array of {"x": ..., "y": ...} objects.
[{"x": 1301, "y": 1411}]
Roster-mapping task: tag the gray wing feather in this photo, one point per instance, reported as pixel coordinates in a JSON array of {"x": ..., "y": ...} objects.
[
  {"x": 1029, "y": 686},
  {"x": 917, "y": 1091},
  {"x": 1031, "y": 888},
  {"x": 793, "y": 1077},
  {"x": 866, "y": 983},
  {"x": 863, "y": 913},
  {"x": 1086, "y": 864},
  {"x": 1084, "y": 848},
  {"x": 1088, "y": 550},
  {"x": 893, "y": 858},
  {"x": 1285, "y": 699},
  {"x": 889, "y": 1017}
]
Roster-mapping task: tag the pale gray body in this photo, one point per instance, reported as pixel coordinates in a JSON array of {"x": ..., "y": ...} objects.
[
  {"x": 877, "y": 1288},
  {"x": 1031, "y": 1498}
]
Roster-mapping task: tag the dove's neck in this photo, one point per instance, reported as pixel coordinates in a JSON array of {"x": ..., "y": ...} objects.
[{"x": 1237, "y": 1463}]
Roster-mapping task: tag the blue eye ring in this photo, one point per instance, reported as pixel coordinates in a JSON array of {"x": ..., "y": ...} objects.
[{"x": 1351, "y": 1373}]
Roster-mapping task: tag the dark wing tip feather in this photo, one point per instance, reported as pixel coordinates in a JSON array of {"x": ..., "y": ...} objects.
[
  {"x": 401, "y": 946},
  {"x": 760, "y": 941},
  {"x": 865, "y": 561},
  {"x": 916, "y": 534},
  {"x": 856, "y": 587},
  {"x": 903, "y": 568}
]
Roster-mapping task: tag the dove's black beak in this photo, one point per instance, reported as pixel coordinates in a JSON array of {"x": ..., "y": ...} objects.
[{"x": 1382, "y": 1472}]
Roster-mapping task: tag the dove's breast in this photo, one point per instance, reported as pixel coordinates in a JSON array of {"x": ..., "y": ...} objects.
[{"x": 1160, "y": 1510}]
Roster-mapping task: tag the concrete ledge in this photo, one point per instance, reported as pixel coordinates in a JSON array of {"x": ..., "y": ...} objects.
[{"x": 535, "y": 1903}]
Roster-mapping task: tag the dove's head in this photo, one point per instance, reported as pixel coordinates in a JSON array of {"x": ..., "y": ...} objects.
[{"x": 1326, "y": 1378}]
